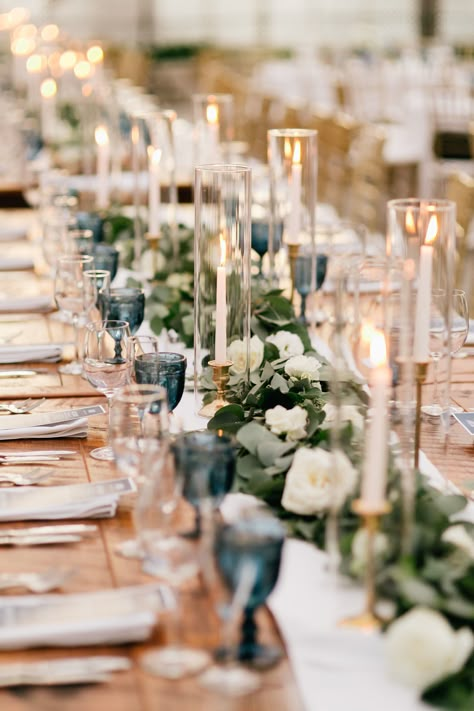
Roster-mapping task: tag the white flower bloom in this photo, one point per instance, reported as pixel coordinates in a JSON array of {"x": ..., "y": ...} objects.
[
  {"x": 290, "y": 422},
  {"x": 349, "y": 413},
  {"x": 237, "y": 353},
  {"x": 359, "y": 549},
  {"x": 302, "y": 366},
  {"x": 315, "y": 479},
  {"x": 148, "y": 259},
  {"x": 422, "y": 648},
  {"x": 179, "y": 281},
  {"x": 288, "y": 344},
  {"x": 460, "y": 537}
]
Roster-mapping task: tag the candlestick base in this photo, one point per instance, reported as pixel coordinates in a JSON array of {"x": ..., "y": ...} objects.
[
  {"x": 368, "y": 620},
  {"x": 220, "y": 375},
  {"x": 420, "y": 377},
  {"x": 153, "y": 241}
]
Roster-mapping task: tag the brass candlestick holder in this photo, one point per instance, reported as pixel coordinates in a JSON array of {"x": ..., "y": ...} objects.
[
  {"x": 420, "y": 377},
  {"x": 153, "y": 242},
  {"x": 368, "y": 620},
  {"x": 220, "y": 375},
  {"x": 293, "y": 250}
]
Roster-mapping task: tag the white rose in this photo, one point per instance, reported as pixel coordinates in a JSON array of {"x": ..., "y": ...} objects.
[
  {"x": 460, "y": 537},
  {"x": 316, "y": 479},
  {"x": 422, "y": 648},
  {"x": 290, "y": 422},
  {"x": 148, "y": 259},
  {"x": 359, "y": 549},
  {"x": 303, "y": 367},
  {"x": 237, "y": 353},
  {"x": 179, "y": 281},
  {"x": 288, "y": 344},
  {"x": 349, "y": 413}
]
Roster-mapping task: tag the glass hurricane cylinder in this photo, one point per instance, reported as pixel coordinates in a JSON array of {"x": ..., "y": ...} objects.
[
  {"x": 222, "y": 267},
  {"x": 292, "y": 161},
  {"x": 422, "y": 234},
  {"x": 213, "y": 116}
]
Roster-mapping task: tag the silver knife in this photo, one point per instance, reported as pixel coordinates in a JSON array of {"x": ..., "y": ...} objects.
[
  {"x": 66, "y": 528},
  {"x": 21, "y": 373},
  {"x": 38, "y": 540},
  {"x": 28, "y": 460},
  {"x": 40, "y": 453}
]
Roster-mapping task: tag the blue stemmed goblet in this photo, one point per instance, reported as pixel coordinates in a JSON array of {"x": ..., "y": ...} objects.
[
  {"x": 206, "y": 463},
  {"x": 127, "y": 304},
  {"x": 259, "y": 240},
  {"x": 303, "y": 277},
  {"x": 253, "y": 543},
  {"x": 106, "y": 257},
  {"x": 165, "y": 369}
]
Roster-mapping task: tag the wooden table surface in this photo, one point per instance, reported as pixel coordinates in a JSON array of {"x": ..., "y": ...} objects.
[{"x": 98, "y": 566}]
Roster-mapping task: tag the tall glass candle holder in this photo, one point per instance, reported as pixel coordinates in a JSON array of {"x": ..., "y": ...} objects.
[
  {"x": 213, "y": 116},
  {"x": 221, "y": 274},
  {"x": 293, "y": 164},
  {"x": 423, "y": 232}
]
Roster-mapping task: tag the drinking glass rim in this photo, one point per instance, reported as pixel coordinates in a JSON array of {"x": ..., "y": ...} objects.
[
  {"x": 180, "y": 357},
  {"x": 438, "y": 204},
  {"x": 126, "y": 291},
  {"x": 130, "y": 392},
  {"x": 100, "y": 325}
]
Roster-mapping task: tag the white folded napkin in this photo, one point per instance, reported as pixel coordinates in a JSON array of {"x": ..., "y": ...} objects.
[
  {"x": 12, "y": 264},
  {"x": 47, "y": 352},
  {"x": 96, "y": 500},
  {"x": 101, "y": 617},
  {"x": 12, "y": 234},
  {"x": 470, "y": 334},
  {"x": 73, "y": 428},
  {"x": 28, "y": 304}
]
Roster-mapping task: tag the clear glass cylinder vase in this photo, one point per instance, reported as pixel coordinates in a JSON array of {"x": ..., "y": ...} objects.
[
  {"x": 213, "y": 116},
  {"x": 222, "y": 268}
]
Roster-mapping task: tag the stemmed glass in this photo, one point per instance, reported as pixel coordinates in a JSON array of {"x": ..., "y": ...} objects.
[
  {"x": 206, "y": 463},
  {"x": 106, "y": 257},
  {"x": 259, "y": 240},
  {"x": 127, "y": 304},
  {"x": 73, "y": 298},
  {"x": 167, "y": 557},
  {"x": 304, "y": 278},
  {"x": 107, "y": 365},
  {"x": 165, "y": 369},
  {"x": 255, "y": 542}
]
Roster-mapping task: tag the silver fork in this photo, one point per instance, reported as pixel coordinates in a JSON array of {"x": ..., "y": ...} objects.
[
  {"x": 24, "y": 478},
  {"x": 35, "y": 582},
  {"x": 21, "y": 407}
]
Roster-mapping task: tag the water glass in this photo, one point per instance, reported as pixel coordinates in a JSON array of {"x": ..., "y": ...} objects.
[
  {"x": 165, "y": 369},
  {"x": 206, "y": 463},
  {"x": 80, "y": 241},
  {"x": 127, "y": 304},
  {"x": 106, "y": 257},
  {"x": 107, "y": 364},
  {"x": 101, "y": 281},
  {"x": 304, "y": 277}
]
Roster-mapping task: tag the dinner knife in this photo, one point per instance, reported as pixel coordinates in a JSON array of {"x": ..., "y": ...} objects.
[
  {"x": 22, "y": 373},
  {"x": 66, "y": 528},
  {"x": 39, "y": 452},
  {"x": 38, "y": 540}
]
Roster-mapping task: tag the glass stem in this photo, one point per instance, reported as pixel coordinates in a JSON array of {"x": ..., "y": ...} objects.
[
  {"x": 435, "y": 381},
  {"x": 110, "y": 399},
  {"x": 303, "y": 308},
  {"x": 75, "y": 322}
]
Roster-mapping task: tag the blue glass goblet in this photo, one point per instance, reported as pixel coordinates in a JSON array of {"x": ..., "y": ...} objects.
[
  {"x": 91, "y": 221},
  {"x": 206, "y": 462},
  {"x": 259, "y": 240},
  {"x": 126, "y": 304},
  {"x": 165, "y": 369},
  {"x": 106, "y": 257},
  {"x": 253, "y": 543},
  {"x": 303, "y": 277}
]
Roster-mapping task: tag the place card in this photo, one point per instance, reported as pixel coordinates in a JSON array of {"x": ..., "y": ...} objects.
[
  {"x": 36, "y": 498},
  {"x": 466, "y": 419},
  {"x": 14, "y": 422}
]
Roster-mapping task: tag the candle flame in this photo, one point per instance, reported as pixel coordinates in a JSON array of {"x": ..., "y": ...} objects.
[
  {"x": 223, "y": 249},
  {"x": 287, "y": 148},
  {"x": 410, "y": 223},
  {"x": 432, "y": 231},
  {"x": 367, "y": 331},
  {"x": 154, "y": 155},
  {"x": 95, "y": 54},
  {"x": 83, "y": 69},
  {"x": 35, "y": 64},
  {"x": 101, "y": 136},
  {"x": 48, "y": 88},
  {"x": 49, "y": 33},
  {"x": 297, "y": 153},
  {"x": 135, "y": 134},
  {"x": 22, "y": 46},
  {"x": 378, "y": 349},
  {"x": 86, "y": 90},
  {"x": 25, "y": 31},
  {"x": 67, "y": 60},
  {"x": 18, "y": 15},
  {"x": 212, "y": 114}
]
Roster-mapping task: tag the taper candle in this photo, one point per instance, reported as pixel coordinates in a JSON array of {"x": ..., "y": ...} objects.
[
  {"x": 221, "y": 308},
  {"x": 423, "y": 298},
  {"x": 154, "y": 157},
  {"x": 294, "y": 226},
  {"x": 103, "y": 166}
]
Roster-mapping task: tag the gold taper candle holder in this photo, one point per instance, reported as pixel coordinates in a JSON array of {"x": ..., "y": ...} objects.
[
  {"x": 293, "y": 250},
  {"x": 368, "y": 620},
  {"x": 420, "y": 377},
  {"x": 220, "y": 375},
  {"x": 153, "y": 241}
]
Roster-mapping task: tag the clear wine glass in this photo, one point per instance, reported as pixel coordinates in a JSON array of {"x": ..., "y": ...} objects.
[
  {"x": 107, "y": 365},
  {"x": 73, "y": 298}
]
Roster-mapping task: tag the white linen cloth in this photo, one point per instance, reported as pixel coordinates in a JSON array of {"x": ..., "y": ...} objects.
[
  {"x": 12, "y": 234},
  {"x": 111, "y": 616},
  {"x": 47, "y": 352},
  {"x": 26, "y": 304},
  {"x": 73, "y": 428},
  {"x": 12, "y": 264}
]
